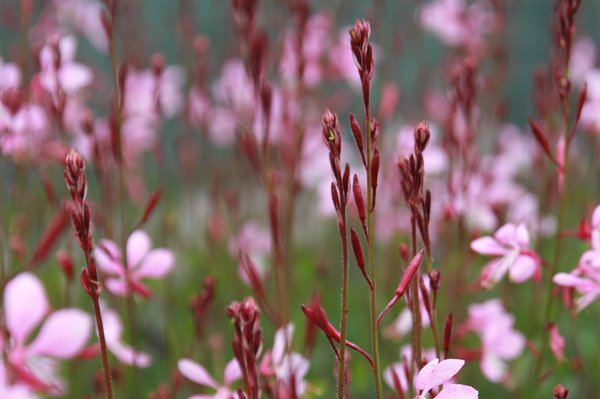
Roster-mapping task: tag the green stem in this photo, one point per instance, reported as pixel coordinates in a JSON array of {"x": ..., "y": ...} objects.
[
  {"x": 344, "y": 316},
  {"x": 371, "y": 251}
]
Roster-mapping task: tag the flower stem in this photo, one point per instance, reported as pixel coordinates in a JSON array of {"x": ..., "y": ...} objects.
[
  {"x": 371, "y": 256},
  {"x": 344, "y": 316}
]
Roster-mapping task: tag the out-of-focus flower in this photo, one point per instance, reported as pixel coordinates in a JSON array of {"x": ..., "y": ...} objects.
[
  {"x": 499, "y": 340},
  {"x": 511, "y": 244},
  {"x": 113, "y": 331},
  {"x": 63, "y": 335},
  {"x": 254, "y": 241},
  {"x": 457, "y": 24},
  {"x": 142, "y": 262},
  {"x": 198, "y": 374},
  {"x": 288, "y": 367},
  {"x": 342, "y": 60},
  {"x": 22, "y": 134},
  {"x": 437, "y": 373},
  {"x": 557, "y": 342},
  {"x": 396, "y": 376},
  {"x": 10, "y": 75},
  {"x": 590, "y": 113},
  {"x": 582, "y": 61},
  {"x": 85, "y": 16},
  {"x": 60, "y": 73}
]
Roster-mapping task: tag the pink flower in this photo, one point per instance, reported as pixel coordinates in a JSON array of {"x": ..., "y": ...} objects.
[
  {"x": 582, "y": 61},
  {"x": 85, "y": 16},
  {"x": 510, "y": 243},
  {"x": 113, "y": 331},
  {"x": 198, "y": 374},
  {"x": 10, "y": 75},
  {"x": 60, "y": 73},
  {"x": 63, "y": 334},
  {"x": 16, "y": 390},
  {"x": 499, "y": 340},
  {"x": 557, "y": 342},
  {"x": 254, "y": 241},
  {"x": 457, "y": 24},
  {"x": 289, "y": 367},
  {"x": 437, "y": 373},
  {"x": 590, "y": 113},
  {"x": 142, "y": 262}
]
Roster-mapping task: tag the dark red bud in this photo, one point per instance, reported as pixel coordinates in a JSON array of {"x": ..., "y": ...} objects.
[{"x": 447, "y": 335}]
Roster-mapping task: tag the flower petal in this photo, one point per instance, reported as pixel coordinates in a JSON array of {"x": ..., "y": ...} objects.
[
  {"x": 117, "y": 286},
  {"x": 63, "y": 335},
  {"x": 74, "y": 77},
  {"x": 522, "y": 269},
  {"x": 283, "y": 336},
  {"x": 437, "y": 373},
  {"x": 108, "y": 257},
  {"x": 233, "y": 372},
  {"x": 507, "y": 234},
  {"x": 493, "y": 368},
  {"x": 569, "y": 280},
  {"x": 156, "y": 264},
  {"x": 25, "y": 305},
  {"x": 126, "y": 354},
  {"x": 138, "y": 245},
  {"x": 457, "y": 391},
  {"x": 195, "y": 372},
  {"x": 488, "y": 246}
]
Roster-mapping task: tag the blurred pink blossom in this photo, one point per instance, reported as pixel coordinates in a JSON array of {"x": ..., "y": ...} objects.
[
  {"x": 113, "y": 331},
  {"x": 142, "y": 262},
  {"x": 85, "y": 16},
  {"x": 590, "y": 113},
  {"x": 10, "y": 75},
  {"x": 289, "y": 367},
  {"x": 499, "y": 340},
  {"x": 511, "y": 244},
  {"x": 63, "y": 334},
  {"x": 60, "y": 73},
  {"x": 557, "y": 342},
  {"x": 437, "y": 373},
  {"x": 582, "y": 61},
  {"x": 198, "y": 374},
  {"x": 254, "y": 241},
  {"x": 456, "y": 23}
]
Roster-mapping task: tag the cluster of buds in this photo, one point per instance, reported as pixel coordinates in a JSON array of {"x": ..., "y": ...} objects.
[
  {"x": 247, "y": 342},
  {"x": 316, "y": 316},
  {"x": 363, "y": 55},
  {"x": 564, "y": 32},
  {"x": 560, "y": 392},
  {"x": 412, "y": 175},
  {"x": 76, "y": 182},
  {"x": 339, "y": 189}
]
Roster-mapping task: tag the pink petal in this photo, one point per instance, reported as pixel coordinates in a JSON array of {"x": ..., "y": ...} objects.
[
  {"x": 283, "y": 336},
  {"x": 25, "y": 305},
  {"x": 488, "y": 246},
  {"x": 63, "y": 335},
  {"x": 569, "y": 280},
  {"x": 493, "y": 368},
  {"x": 195, "y": 372},
  {"x": 233, "y": 372},
  {"x": 507, "y": 234},
  {"x": 117, "y": 286},
  {"x": 108, "y": 258},
  {"x": 457, "y": 391},
  {"x": 128, "y": 355},
  {"x": 522, "y": 235},
  {"x": 596, "y": 218},
  {"x": 74, "y": 77},
  {"x": 522, "y": 269},
  {"x": 138, "y": 245},
  {"x": 156, "y": 264},
  {"x": 437, "y": 373},
  {"x": 113, "y": 328}
]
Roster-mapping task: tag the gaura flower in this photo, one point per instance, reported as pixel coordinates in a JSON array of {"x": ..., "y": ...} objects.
[
  {"x": 198, "y": 374},
  {"x": 142, "y": 262},
  {"x": 436, "y": 373}
]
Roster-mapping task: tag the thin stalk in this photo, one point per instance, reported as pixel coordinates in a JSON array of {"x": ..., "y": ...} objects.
[
  {"x": 101, "y": 337},
  {"x": 415, "y": 308},
  {"x": 433, "y": 316},
  {"x": 557, "y": 250},
  {"x": 344, "y": 316},
  {"x": 371, "y": 251}
]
